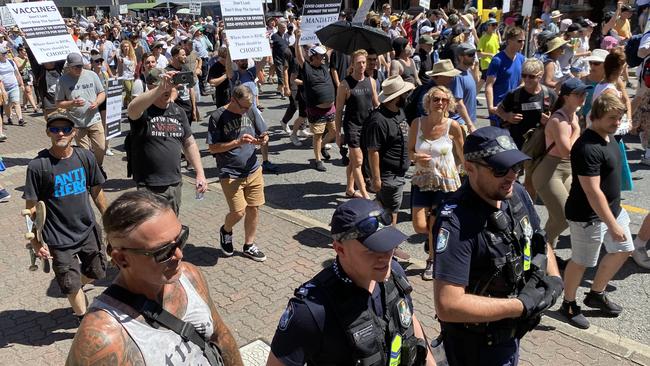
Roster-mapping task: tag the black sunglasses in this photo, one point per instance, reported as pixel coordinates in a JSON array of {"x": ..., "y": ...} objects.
[
  {"x": 500, "y": 173},
  {"x": 55, "y": 130},
  {"x": 165, "y": 252},
  {"x": 366, "y": 227}
]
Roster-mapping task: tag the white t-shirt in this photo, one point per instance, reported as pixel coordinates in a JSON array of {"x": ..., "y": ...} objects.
[
  {"x": 162, "y": 61},
  {"x": 8, "y": 74}
]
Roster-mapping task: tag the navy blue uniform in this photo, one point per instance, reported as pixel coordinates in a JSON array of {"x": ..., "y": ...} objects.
[
  {"x": 299, "y": 338},
  {"x": 464, "y": 258}
]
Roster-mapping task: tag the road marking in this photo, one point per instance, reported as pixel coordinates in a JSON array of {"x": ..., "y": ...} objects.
[{"x": 635, "y": 209}]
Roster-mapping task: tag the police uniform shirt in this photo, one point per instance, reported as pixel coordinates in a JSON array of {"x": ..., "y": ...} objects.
[
  {"x": 461, "y": 250},
  {"x": 298, "y": 338}
]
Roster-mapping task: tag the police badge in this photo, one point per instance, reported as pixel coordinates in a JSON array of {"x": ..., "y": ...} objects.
[
  {"x": 286, "y": 317},
  {"x": 405, "y": 316}
]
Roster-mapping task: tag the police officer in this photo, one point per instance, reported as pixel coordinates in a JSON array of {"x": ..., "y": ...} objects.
[
  {"x": 358, "y": 310},
  {"x": 493, "y": 276}
]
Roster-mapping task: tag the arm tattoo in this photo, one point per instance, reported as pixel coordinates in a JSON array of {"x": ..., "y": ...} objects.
[
  {"x": 101, "y": 340},
  {"x": 221, "y": 334}
]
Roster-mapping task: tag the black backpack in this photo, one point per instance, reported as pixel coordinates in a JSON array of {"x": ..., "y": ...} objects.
[{"x": 632, "y": 49}]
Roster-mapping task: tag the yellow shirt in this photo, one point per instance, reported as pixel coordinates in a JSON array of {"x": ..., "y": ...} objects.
[
  {"x": 622, "y": 27},
  {"x": 488, "y": 43}
]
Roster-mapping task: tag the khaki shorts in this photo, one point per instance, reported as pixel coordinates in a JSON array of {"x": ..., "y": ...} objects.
[
  {"x": 319, "y": 128},
  {"x": 243, "y": 192}
]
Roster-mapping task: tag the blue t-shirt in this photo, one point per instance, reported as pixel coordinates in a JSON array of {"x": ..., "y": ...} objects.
[
  {"x": 464, "y": 87},
  {"x": 507, "y": 73}
]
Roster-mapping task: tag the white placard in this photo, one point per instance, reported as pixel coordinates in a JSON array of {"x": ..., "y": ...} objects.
[
  {"x": 7, "y": 19},
  {"x": 45, "y": 31},
  {"x": 195, "y": 8},
  {"x": 425, "y": 4},
  {"x": 124, "y": 9},
  {"x": 245, "y": 28},
  {"x": 364, "y": 9},
  {"x": 506, "y": 6},
  {"x": 315, "y": 15},
  {"x": 113, "y": 108},
  {"x": 527, "y": 8}
]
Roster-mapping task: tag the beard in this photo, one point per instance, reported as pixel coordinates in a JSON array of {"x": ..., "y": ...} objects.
[{"x": 401, "y": 103}]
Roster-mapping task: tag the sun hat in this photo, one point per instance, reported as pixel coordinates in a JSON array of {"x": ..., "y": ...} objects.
[
  {"x": 554, "y": 44},
  {"x": 443, "y": 68},
  {"x": 393, "y": 87}
]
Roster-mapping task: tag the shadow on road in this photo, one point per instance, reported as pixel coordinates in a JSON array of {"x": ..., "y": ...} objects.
[
  {"x": 201, "y": 256},
  {"x": 35, "y": 328},
  {"x": 315, "y": 237},
  {"x": 321, "y": 195}
]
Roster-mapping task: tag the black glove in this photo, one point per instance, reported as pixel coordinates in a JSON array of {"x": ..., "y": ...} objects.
[
  {"x": 531, "y": 295},
  {"x": 552, "y": 287}
]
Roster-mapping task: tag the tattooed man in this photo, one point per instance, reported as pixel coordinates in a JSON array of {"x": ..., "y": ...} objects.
[{"x": 145, "y": 241}]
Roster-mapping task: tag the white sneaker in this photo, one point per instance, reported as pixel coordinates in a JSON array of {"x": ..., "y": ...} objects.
[
  {"x": 109, "y": 152},
  {"x": 641, "y": 258},
  {"x": 305, "y": 133},
  {"x": 285, "y": 128},
  {"x": 645, "y": 161},
  {"x": 294, "y": 140},
  {"x": 327, "y": 146}
]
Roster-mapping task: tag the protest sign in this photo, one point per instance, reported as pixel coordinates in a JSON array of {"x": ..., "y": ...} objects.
[
  {"x": 527, "y": 8},
  {"x": 6, "y": 19},
  {"x": 113, "y": 108},
  {"x": 195, "y": 8},
  {"x": 245, "y": 28},
  {"x": 506, "y": 7},
  {"x": 45, "y": 32},
  {"x": 425, "y": 4},
  {"x": 124, "y": 9},
  {"x": 315, "y": 15}
]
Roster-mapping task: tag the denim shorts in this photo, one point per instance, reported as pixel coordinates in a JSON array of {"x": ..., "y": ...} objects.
[{"x": 426, "y": 199}]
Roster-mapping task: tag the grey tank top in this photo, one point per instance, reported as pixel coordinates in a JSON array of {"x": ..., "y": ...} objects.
[{"x": 163, "y": 347}]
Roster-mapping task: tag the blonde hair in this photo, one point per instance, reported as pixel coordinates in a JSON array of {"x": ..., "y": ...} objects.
[
  {"x": 360, "y": 52},
  {"x": 451, "y": 106},
  {"x": 605, "y": 103},
  {"x": 131, "y": 55},
  {"x": 532, "y": 66}
]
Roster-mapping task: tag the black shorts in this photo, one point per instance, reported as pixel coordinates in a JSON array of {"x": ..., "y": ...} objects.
[
  {"x": 484, "y": 74},
  {"x": 302, "y": 107},
  {"x": 352, "y": 135},
  {"x": 390, "y": 194},
  {"x": 68, "y": 270}
]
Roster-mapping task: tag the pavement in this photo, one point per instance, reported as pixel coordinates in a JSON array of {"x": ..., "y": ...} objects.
[{"x": 36, "y": 325}]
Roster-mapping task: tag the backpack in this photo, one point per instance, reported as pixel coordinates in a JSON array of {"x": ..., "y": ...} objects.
[
  {"x": 534, "y": 140},
  {"x": 632, "y": 49}
]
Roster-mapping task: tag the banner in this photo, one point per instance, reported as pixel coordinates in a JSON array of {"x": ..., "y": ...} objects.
[
  {"x": 113, "y": 108},
  {"x": 245, "y": 28},
  {"x": 316, "y": 14},
  {"x": 45, "y": 32},
  {"x": 195, "y": 8},
  {"x": 6, "y": 18}
]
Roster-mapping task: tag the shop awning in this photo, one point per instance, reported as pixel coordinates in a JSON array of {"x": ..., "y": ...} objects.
[{"x": 141, "y": 6}]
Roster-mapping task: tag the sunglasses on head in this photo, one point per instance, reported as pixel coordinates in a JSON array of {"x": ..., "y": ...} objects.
[
  {"x": 55, "y": 130},
  {"x": 500, "y": 173},
  {"x": 166, "y": 251},
  {"x": 366, "y": 227}
]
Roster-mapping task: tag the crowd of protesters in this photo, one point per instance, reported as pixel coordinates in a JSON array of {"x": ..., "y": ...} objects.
[{"x": 560, "y": 90}]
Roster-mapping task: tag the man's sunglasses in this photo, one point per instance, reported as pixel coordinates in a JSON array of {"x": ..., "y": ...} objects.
[
  {"x": 529, "y": 76},
  {"x": 55, "y": 130},
  {"x": 500, "y": 173},
  {"x": 165, "y": 252},
  {"x": 366, "y": 227}
]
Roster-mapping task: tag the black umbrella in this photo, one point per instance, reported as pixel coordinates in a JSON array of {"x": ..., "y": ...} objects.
[{"x": 347, "y": 37}]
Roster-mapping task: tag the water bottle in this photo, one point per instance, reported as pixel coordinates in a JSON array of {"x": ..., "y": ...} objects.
[{"x": 438, "y": 352}]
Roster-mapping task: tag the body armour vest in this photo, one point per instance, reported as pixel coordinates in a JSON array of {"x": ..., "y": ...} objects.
[
  {"x": 163, "y": 346},
  {"x": 374, "y": 340}
]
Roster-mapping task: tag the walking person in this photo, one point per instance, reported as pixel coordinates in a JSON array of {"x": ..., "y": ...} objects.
[
  {"x": 552, "y": 176},
  {"x": 25, "y": 69},
  {"x": 594, "y": 211},
  {"x": 435, "y": 146},
  {"x": 13, "y": 85},
  {"x": 126, "y": 63}
]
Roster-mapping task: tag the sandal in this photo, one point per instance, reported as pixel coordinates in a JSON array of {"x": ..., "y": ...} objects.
[{"x": 354, "y": 194}]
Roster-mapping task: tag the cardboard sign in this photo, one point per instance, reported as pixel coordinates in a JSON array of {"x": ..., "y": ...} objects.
[
  {"x": 113, "y": 108},
  {"x": 245, "y": 29},
  {"x": 45, "y": 31},
  {"x": 315, "y": 15},
  {"x": 527, "y": 8},
  {"x": 195, "y": 8},
  {"x": 6, "y": 18}
]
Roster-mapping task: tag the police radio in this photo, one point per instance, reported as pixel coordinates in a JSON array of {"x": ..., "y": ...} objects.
[{"x": 513, "y": 266}]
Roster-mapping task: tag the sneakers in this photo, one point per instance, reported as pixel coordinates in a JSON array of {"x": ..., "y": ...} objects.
[
  {"x": 226, "y": 242},
  {"x": 251, "y": 251},
  {"x": 318, "y": 165},
  {"x": 3, "y": 137},
  {"x": 640, "y": 256},
  {"x": 602, "y": 302},
  {"x": 572, "y": 312},
  {"x": 305, "y": 133},
  {"x": 9, "y": 121},
  {"x": 21, "y": 122},
  {"x": 427, "y": 275},
  {"x": 109, "y": 152},
  {"x": 326, "y": 155},
  {"x": 285, "y": 128},
  {"x": 327, "y": 146},
  {"x": 269, "y": 168},
  {"x": 4, "y": 195},
  {"x": 294, "y": 140}
]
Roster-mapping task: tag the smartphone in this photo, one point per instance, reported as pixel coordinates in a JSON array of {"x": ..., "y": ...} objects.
[{"x": 182, "y": 78}]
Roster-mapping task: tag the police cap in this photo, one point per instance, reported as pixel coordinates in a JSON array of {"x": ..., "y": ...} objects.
[{"x": 493, "y": 145}]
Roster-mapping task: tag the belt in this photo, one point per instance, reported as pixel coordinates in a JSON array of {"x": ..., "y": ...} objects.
[{"x": 487, "y": 333}]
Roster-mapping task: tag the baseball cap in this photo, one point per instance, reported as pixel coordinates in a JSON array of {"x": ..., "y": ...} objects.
[
  {"x": 317, "y": 50},
  {"x": 465, "y": 49},
  {"x": 96, "y": 57},
  {"x": 597, "y": 55},
  {"x": 426, "y": 39},
  {"x": 495, "y": 146},
  {"x": 367, "y": 222},
  {"x": 491, "y": 21},
  {"x": 58, "y": 115},
  {"x": 609, "y": 42},
  {"x": 574, "y": 85},
  {"x": 74, "y": 59},
  {"x": 153, "y": 77},
  {"x": 426, "y": 29},
  {"x": 3, "y": 49}
]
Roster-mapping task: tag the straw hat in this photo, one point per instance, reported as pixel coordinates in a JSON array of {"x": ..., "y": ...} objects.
[
  {"x": 393, "y": 87},
  {"x": 443, "y": 68},
  {"x": 597, "y": 55},
  {"x": 554, "y": 44},
  {"x": 469, "y": 19},
  {"x": 556, "y": 14}
]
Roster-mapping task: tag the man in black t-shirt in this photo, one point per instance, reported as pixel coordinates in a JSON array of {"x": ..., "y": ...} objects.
[
  {"x": 278, "y": 47},
  {"x": 64, "y": 178},
  {"x": 218, "y": 78},
  {"x": 385, "y": 137},
  {"x": 160, "y": 132},
  {"x": 185, "y": 97},
  {"x": 593, "y": 210}
]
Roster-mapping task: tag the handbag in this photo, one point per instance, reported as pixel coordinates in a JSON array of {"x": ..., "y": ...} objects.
[
  {"x": 155, "y": 315},
  {"x": 626, "y": 173}
]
